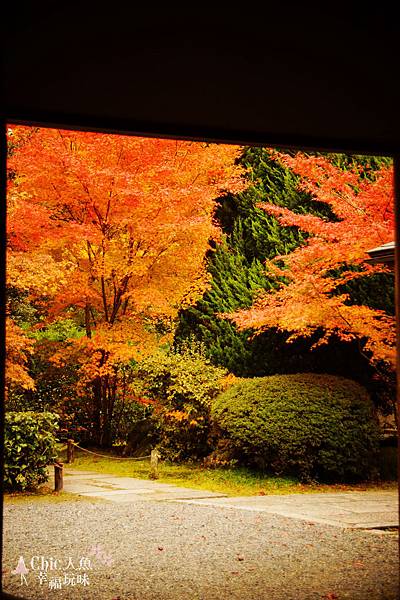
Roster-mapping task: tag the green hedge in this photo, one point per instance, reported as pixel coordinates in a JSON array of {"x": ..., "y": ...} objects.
[
  {"x": 312, "y": 426},
  {"x": 29, "y": 447}
]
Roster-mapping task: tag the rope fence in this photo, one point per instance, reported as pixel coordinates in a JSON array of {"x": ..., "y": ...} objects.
[
  {"x": 112, "y": 457},
  {"x": 71, "y": 444}
]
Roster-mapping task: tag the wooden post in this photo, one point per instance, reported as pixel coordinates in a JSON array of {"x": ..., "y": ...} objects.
[
  {"x": 155, "y": 456},
  {"x": 58, "y": 477},
  {"x": 70, "y": 451}
]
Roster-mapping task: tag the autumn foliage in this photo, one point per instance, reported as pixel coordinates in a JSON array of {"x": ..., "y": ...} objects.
[
  {"x": 19, "y": 347},
  {"x": 112, "y": 231},
  {"x": 312, "y": 277},
  {"x": 107, "y": 239}
]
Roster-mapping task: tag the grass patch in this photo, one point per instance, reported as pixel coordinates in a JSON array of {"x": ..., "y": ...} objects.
[
  {"x": 237, "y": 481},
  {"x": 44, "y": 494}
]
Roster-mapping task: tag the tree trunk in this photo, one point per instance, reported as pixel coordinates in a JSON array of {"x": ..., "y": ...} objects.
[{"x": 97, "y": 403}]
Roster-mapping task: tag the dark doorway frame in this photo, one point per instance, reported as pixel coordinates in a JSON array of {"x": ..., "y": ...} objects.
[{"x": 299, "y": 79}]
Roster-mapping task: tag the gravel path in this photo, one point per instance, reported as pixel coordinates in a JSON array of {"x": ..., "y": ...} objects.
[{"x": 172, "y": 551}]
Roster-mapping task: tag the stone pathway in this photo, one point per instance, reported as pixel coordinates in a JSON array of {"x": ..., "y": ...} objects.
[
  {"x": 355, "y": 510},
  {"x": 127, "y": 489}
]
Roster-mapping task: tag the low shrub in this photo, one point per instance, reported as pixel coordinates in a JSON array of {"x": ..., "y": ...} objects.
[
  {"x": 182, "y": 384},
  {"x": 29, "y": 447},
  {"x": 308, "y": 425},
  {"x": 128, "y": 417}
]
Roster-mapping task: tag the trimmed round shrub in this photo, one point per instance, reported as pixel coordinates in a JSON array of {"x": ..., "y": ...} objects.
[
  {"x": 312, "y": 426},
  {"x": 29, "y": 447}
]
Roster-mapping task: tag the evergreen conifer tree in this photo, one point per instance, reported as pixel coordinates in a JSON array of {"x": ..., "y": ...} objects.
[{"x": 250, "y": 236}]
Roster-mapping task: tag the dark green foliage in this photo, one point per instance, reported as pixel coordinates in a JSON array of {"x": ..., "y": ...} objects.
[
  {"x": 253, "y": 233},
  {"x": 143, "y": 436},
  {"x": 29, "y": 447},
  {"x": 20, "y": 308},
  {"x": 366, "y": 165},
  {"x": 375, "y": 291},
  {"x": 56, "y": 391},
  {"x": 129, "y": 416},
  {"x": 275, "y": 183},
  {"x": 311, "y": 426},
  {"x": 234, "y": 283},
  {"x": 237, "y": 270},
  {"x": 55, "y": 386},
  {"x": 235, "y": 279},
  {"x": 182, "y": 386},
  {"x": 237, "y": 265}
]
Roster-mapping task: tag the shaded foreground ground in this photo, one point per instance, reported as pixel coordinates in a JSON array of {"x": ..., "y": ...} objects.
[{"x": 149, "y": 550}]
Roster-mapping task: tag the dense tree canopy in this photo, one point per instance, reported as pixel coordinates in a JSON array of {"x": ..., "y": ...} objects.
[
  {"x": 112, "y": 231},
  {"x": 117, "y": 245},
  {"x": 250, "y": 236},
  {"x": 333, "y": 255}
]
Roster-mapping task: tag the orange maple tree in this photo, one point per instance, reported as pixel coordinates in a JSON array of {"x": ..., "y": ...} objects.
[
  {"x": 19, "y": 348},
  {"x": 112, "y": 230},
  {"x": 308, "y": 299}
]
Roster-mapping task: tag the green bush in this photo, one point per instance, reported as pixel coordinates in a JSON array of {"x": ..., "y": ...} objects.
[
  {"x": 312, "y": 426},
  {"x": 182, "y": 384},
  {"x": 29, "y": 446},
  {"x": 133, "y": 430}
]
